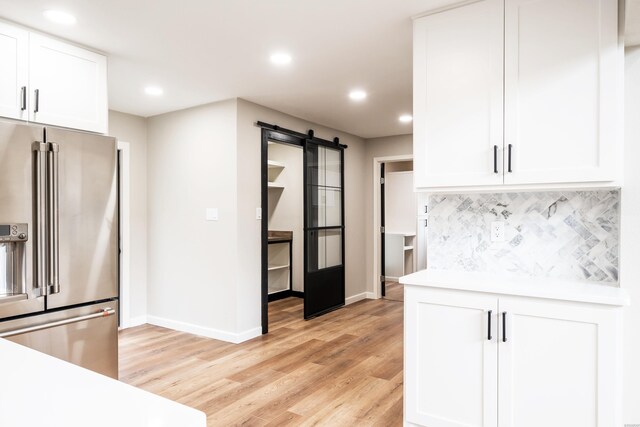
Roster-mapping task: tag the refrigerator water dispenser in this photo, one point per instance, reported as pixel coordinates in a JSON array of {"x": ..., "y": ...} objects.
[{"x": 13, "y": 257}]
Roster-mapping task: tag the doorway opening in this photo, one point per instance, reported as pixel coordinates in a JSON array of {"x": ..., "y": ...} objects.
[
  {"x": 399, "y": 226},
  {"x": 303, "y": 221}
]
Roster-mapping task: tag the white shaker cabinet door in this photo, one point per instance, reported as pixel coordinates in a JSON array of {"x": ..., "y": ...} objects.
[
  {"x": 458, "y": 88},
  {"x": 14, "y": 74},
  {"x": 71, "y": 85},
  {"x": 561, "y": 91},
  {"x": 558, "y": 364},
  {"x": 451, "y": 361}
]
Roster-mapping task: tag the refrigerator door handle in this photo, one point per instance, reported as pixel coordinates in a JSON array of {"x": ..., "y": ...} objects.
[
  {"x": 102, "y": 313},
  {"x": 40, "y": 219},
  {"x": 53, "y": 220}
]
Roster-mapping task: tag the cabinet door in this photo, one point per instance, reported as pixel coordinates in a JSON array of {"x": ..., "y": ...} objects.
[
  {"x": 450, "y": 364},
  {"x": 561, "y": 82},
  {"x": 14, "y": 44},
  {"x": 71, "y": 84},
  {"x": 558, "y": 366},
  {"x": 458, "y": 63}
]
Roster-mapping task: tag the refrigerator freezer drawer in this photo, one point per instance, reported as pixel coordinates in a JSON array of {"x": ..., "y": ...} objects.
[{"x": 86, "y": 336}]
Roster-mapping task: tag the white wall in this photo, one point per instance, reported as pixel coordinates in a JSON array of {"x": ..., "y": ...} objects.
[
  {"x": 194, "y": 265},
  {"x": 378, "y": 147},
  {"x": 400, "y": 202},
  {"x": 249, "y": 228},
  {"x": 204, "y": 277},
  {"x": 133, "y": 129},
  {"x": 630, "y": 236},
  {"x": 286, "y": 207}
]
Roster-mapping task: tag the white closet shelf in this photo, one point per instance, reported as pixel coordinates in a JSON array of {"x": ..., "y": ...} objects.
[
  {"x": 274, "y": 185},
  {"x": 272, "y": 164},
  {"x": 273, "y": 267},
  {"x": 408, "y": 248}
]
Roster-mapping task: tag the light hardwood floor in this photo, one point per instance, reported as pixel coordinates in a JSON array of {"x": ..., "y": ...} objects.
[
  {"x": 342, "y": 369},
  {"x": 394, "y": 291}
]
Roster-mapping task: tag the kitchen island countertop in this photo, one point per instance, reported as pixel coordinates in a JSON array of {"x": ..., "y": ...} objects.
[{"x": 39, "y": 390}]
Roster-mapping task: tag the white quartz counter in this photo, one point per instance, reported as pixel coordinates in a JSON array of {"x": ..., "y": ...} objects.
[
  {"x": 38, "y": 390},
  {"x": 530, "y": 287}
]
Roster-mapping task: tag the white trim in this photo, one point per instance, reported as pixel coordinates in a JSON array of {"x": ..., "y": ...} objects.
[
  {"x": 358, "y": 297},
  {"x": 375, "y": 285},
  {"x": 235, "y": 338},
  {"x": 124, "y": 149},
  {"x": 136, "y": 321}
]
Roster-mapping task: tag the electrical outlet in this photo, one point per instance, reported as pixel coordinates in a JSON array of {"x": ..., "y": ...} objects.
[{"x": 497, "y": 231}]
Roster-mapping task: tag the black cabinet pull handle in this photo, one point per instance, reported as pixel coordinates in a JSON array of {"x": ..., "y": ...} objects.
[
  {"x": 509, "y": 166},
  {"x": 37, "y": 101},
  {"x": 489, "y": 325},
  {"x": 495, "y": 159},
  {"x": 23, "y": 98},
  {"x": 504, "y": 326}
]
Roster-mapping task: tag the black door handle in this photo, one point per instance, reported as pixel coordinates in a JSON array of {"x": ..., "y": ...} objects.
[
  {"x": 23, "y": 98},
  {"x": 495, "y": 159},
  {"x": 504, "y": 326},
  {"x": 37, "y": 101},
  {"x": 509, "y": 162},
  {"x": 489, "y": 325}
]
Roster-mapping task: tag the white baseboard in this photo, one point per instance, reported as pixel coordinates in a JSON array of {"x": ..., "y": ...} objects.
[
  {"x": 135, "y": 321},
  {"x": 235, "y": 338},
  {"x": 391, "y": 279},
  {"x": 358, "y": 297}
]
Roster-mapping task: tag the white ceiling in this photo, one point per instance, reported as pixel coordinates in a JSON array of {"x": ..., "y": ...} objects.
[{"x": 201, "y": 51}]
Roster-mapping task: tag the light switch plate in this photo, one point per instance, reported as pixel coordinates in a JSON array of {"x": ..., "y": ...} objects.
[{"x": 212, "y": 214}]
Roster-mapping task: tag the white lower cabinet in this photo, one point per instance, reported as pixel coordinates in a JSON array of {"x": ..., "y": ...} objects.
[{"x": 480, "y": 359}]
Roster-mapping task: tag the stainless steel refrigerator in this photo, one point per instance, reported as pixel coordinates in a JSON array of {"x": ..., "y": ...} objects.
[{"x": 59, "y": 244}]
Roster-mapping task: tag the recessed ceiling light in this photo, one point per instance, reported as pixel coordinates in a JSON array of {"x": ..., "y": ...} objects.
[
  {"x": 59, "y": 17},
  {"x": 406, "y": 118},
  {"x": 153, "y": 90},
  {"x": 358, "y": 95},
  {"x": 280, "y": 58}
]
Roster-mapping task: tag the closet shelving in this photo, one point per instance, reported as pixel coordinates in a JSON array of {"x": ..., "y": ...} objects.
[{"x": 275, "y": 168}]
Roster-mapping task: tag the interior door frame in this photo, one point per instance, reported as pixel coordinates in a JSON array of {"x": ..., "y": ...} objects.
[
  {"x": 279, "y": 134},
  {"x": 376, "y": 209},
  {"x": 383, "y": 279}
]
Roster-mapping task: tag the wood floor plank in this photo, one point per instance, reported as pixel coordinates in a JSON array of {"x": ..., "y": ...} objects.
[{"x": 343, "y": 368}]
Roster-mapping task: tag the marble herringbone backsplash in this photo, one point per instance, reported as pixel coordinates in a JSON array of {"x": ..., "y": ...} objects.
[{"x": 566, "y": 235}]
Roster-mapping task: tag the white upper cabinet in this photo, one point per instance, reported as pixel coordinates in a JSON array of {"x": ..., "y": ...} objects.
[
  {"x": 48, "y": 81},
  {"x": 558, "y": 62},
  {"x": 560, "y": 90},
  {"x": 457, "y": 79},
  {"x": 68, "y": 85},
  {"x": 14, "y": 73}
]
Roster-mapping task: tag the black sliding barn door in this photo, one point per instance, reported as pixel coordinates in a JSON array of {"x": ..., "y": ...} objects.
[{"x": 324, "y": 274}]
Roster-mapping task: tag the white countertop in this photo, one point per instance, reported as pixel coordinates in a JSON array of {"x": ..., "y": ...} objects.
[
  {"x": 531, "y": 287},
  {"x": 37, "y": 390}
]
